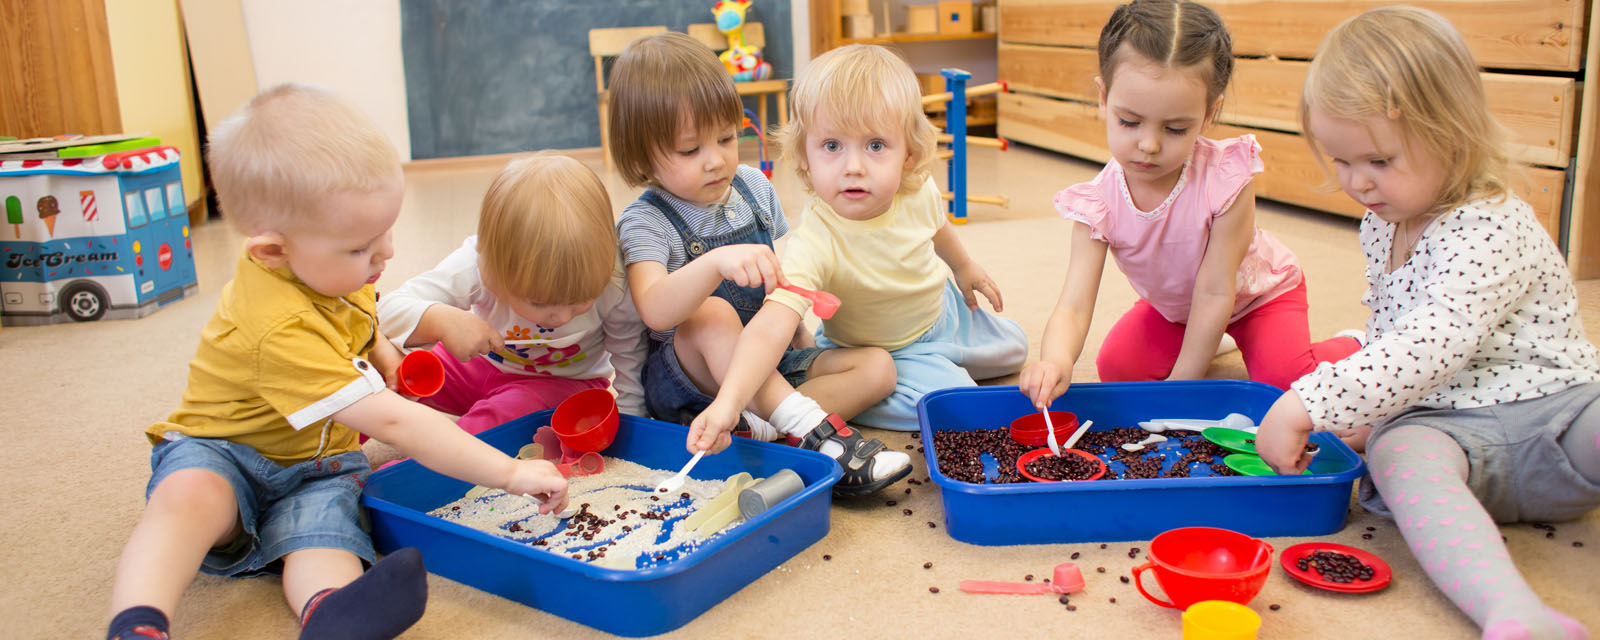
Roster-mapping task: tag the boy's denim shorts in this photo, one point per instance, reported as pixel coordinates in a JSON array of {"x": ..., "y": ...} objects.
[
  {"x": 311, "y": 505},
  {"x": 671, "y": 396}
]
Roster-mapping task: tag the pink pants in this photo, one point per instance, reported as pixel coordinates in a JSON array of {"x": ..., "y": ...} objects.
[
  {"x": 485, "y": 396},
  {"x": 1274, "y": 338}
]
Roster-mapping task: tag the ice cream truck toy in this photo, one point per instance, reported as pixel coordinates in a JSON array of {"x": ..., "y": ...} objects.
[{"x": 95, "y": 237}]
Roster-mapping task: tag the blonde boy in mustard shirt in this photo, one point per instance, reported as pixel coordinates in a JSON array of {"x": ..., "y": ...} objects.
[{"x": 259, "y": 470}]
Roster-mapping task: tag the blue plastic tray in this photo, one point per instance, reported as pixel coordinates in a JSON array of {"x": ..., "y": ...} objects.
[
  {"x": 629, "y": 603},
  {"x": 1112, "y": 510}
]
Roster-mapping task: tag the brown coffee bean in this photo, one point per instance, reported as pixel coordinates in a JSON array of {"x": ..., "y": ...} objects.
[
  {"x": 1372, "y": 528},
  {"x": 1028, "y": 578},
  {"x": 1099, "y": 569},
  {"x": 1113, "y": 601},
  {"x": 1274, "y": 607},
  {"x": 1062, "y": 599},
  {"x": 906, "y": 511},
  {"x": 932, "y": 525},
  {"x": 1550, "y": 534},
  {"x": 1366, "y": 536},
  {"x": 927, "y": 565},
  {"x": 827, "y": 557},
  {"x": 892, "y": 503},
  {"x": 1072, "y": 607},
  {"x": 1075, "y": 555},
  {"x": 1575, "y": 543},
  {"x": 933, "y": 589},
  {"x": 1124, "y": 579},
  {"x": 1102, "y": 545}
]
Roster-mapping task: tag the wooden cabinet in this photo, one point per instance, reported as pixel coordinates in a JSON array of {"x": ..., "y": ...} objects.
[
  {"x": 97, "y": 67},
  {"x": 1537, "y": 48}
]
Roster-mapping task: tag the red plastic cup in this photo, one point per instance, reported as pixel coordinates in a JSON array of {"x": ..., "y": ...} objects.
[
  {"x": 1195, "y": 564},
  {"x": 587, "y": 420},
  {"x": 420, "y": 374},
  {"x": 1030, "y": 430},
  {"x": 1024, "y": 459}
]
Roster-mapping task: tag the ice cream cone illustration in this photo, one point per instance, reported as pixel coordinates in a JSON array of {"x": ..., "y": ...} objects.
[
  {"x": 48, "y": 209},
  {"x": 14, "y": 214}
]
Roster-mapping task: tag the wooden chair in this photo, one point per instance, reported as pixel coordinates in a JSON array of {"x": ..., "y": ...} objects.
[
  {"x": 756, "y": 36},
  {"x": 609, "y": 43}
]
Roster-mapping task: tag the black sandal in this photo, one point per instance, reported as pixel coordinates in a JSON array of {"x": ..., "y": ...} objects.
[{"x": 856, "y": 459}]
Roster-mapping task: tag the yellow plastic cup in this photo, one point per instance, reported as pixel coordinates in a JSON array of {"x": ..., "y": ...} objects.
[{"x": 1220, "y": 620}]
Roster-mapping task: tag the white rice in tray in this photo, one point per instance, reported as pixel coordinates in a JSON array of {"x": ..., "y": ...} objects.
[{"x": 622, "y": 522}]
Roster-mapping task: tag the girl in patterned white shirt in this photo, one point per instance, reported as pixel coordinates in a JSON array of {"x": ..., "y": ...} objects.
[{"x": 1477, "y": 387}]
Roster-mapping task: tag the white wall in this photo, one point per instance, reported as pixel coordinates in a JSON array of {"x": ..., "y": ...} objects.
[{"x": 351, "y": 46}]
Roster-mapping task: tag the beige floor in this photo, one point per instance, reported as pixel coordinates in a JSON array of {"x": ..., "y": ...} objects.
[{"x": 77, "y": 396}]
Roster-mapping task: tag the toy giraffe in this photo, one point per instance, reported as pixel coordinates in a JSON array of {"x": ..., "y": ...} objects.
[{"x": 743, "y": 62}]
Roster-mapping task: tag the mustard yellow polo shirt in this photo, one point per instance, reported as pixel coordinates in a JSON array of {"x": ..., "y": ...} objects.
[{"x": 275, "y": 361}]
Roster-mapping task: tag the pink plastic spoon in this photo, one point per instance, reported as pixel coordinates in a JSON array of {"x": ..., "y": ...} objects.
[
  {"x": 1067, "y": 579},
  {"x": 823, "y": 304}
]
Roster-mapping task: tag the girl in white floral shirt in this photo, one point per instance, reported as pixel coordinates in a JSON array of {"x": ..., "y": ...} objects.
[{"x": 1477, "y": 387}]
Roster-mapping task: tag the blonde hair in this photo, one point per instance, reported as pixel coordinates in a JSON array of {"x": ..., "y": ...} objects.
[
  {"x": 275, "y": 159},
  {"x": 860, "y": 88},
  {"x": 545, "y": 231},
  {"x": 1412, "y": 67},
  {"x": 656, "y": 82}
]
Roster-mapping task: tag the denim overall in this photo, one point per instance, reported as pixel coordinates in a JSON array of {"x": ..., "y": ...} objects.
[{"x": 669, "y": 393}]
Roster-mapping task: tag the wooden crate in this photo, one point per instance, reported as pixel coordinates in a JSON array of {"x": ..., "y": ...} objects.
[
  {"x": 1047, "y": 56},
  {"x": 1292, "y": 173}
]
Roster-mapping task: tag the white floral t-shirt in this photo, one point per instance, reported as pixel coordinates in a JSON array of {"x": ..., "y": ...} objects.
[{"x": 1483, "y": 312}]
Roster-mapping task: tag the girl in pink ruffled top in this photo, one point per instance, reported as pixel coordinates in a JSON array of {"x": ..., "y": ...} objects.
[{"x": 1177, "y": 212}]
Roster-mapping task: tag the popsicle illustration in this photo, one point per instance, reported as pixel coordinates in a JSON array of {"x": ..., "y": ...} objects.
[
  {"x": 48, "y": 209},
  {"x": 14, "y": 214}
]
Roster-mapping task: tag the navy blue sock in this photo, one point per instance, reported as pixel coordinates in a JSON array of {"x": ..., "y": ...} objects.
[
  {"x": 134, "y": 623},
  {"x": 380, "y": 604}
]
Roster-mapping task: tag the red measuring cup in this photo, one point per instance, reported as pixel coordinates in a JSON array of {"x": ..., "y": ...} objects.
[{"x": 420, "y": 374}]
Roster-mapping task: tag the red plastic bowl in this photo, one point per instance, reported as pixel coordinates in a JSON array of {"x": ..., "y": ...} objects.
[
  {"x": 587, "y": 420},
  {"x": 1029, "y": 429},
  {"x": 1194, "y": 564},
  {"x": 1024, "y": 459}
]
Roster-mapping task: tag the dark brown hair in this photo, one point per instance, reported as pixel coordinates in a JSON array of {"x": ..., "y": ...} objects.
[
  {"x": 653, "y": 83},
  {"x": 1171, "y": 34}
]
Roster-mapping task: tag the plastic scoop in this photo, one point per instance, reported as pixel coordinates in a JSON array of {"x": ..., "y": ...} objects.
[
  {"x": 588, "y": 464},
  {"x": 823, "y": 304},
  {"x": 1231, "y": 421},
  {"x": 672, "y": 484},
  {"x": 1082, "y": 429},
  {"x": 1066, "y": 579},
  {"x": 1139, "y": 446}
]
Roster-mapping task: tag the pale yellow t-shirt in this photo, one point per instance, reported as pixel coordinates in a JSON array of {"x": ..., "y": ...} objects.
[
  {"x": 274, "y": 362},
  {"x": 889, "y": 281}
]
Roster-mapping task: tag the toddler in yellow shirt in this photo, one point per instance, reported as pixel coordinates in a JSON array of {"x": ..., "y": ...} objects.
[
  {"x": 875, "y": 235},
  {"x": 258, "y": 470}
]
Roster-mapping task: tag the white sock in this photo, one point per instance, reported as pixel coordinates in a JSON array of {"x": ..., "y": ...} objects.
[
  {"x": 797, "y": 415},
  {"x": 760, "y": 429}
]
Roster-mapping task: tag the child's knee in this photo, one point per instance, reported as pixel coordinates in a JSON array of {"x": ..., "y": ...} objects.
[
  {"x": 194, "y": 494},
  {"x": 1126, "y": 366},
  {"x": 714, "y": 320},
  {"x": 878, "y": 373}
]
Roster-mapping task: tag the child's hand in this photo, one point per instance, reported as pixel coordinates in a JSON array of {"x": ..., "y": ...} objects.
[
  {"x": 465, "y": 335},
  {"x": 1281, "y": 440},
  {"x": 748, "y": 265},
  {"x": 972, "y": 278},
  {"x": 539, "y": 478},
  {"x": 710, "y": 431},
  {"x": 386, "y": 357},
  {"x": 1042, "y": 382}
]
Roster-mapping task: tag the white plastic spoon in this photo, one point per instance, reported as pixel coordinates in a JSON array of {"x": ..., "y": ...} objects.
[
  {"x": 1050, "y": 430},
  {"x": 1082, "y": 429},
  {"x": 672, "y": 484},
  {"x": 1137, "y": 446}
]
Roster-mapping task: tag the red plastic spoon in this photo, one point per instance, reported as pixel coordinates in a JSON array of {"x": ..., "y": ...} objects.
[{"x": 823, "y": 304}]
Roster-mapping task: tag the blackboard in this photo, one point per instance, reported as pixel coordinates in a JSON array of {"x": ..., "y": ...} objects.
[{"x": 502, "y": 76}]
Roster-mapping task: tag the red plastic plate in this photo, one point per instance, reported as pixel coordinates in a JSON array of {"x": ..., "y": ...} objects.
[{"x": 1291, "y": 556}]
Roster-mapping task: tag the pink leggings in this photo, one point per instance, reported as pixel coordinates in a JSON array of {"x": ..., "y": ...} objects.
[
  {"x": 1274, "y": 338},
  {"x": 485, "y": 396}
]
